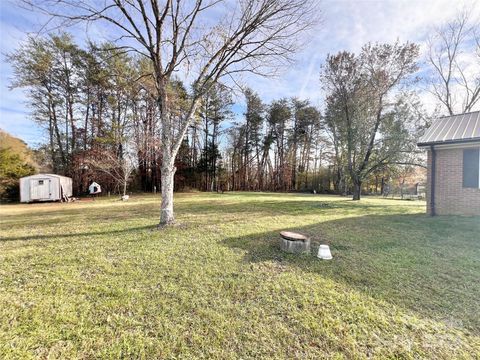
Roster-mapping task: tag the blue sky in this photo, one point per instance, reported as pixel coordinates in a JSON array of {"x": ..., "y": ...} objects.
[{"x": 347, "y": 25}]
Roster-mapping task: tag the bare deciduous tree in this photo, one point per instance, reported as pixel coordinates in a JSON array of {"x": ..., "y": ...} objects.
[
  {"x": 209, "y": 40},
  {"x": 362, "y": 112},
  {"x": 119, "y": 169},
  {"x": 455, "y": 73}
]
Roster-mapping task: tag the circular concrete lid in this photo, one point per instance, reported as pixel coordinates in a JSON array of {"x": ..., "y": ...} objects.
[{"x": 292, "y": 236}]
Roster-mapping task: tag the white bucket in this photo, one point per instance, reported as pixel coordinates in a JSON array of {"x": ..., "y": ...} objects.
[{"x": 324, "y": 252}]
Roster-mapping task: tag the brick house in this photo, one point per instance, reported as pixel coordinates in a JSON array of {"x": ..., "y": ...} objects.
[{"x": 453, "y": 175}]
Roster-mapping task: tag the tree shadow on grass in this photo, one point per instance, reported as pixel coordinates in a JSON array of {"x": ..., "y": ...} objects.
[
  {"x": 132, "y": 230},
  {"x": 291, "y": 206},
  {"x": 427, "y": 265}
]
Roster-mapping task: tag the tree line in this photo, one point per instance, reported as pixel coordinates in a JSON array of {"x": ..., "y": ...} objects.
[
  {"x": 208, "y": 40},
  {"x": 102, "y": 122},
  {"x": 120, "y": 115}
]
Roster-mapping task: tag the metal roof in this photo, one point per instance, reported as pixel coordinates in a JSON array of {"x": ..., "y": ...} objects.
[
  {"x": 45, "y": 175},
  {"x": 453, "y": 129}
]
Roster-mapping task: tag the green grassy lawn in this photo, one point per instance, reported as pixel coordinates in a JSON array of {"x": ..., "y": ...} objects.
[{"x": 97, "y": 280}]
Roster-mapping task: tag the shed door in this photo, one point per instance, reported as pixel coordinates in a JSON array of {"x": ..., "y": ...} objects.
[{"x": 40, "y": 189}]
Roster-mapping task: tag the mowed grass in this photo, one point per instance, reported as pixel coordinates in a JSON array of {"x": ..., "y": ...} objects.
[{"x": 97, "y": 280}]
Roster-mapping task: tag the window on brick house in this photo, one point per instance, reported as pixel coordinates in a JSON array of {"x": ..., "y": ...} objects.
[{"x": 471, "y": 168}]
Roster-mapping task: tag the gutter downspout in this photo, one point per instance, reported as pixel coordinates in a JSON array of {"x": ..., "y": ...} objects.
[{"x": 432, "y": 182}]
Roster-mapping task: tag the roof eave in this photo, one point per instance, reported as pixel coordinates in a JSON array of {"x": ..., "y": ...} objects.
[{"x": 449, "y": 142}]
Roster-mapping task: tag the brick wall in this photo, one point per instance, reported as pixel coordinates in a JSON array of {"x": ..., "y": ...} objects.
[{"x": 451, "y": 198}]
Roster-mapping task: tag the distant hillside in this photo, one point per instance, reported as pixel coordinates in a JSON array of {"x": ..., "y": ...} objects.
[
  {"x": 16, "y": 161},
  {"x": 17, "y": 146}
]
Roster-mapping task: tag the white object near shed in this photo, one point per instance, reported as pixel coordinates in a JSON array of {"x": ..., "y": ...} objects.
[{"x": 45, "y": 187}]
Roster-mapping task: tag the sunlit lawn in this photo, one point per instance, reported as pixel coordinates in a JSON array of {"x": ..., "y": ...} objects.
[{"x": 97, "y": 280}]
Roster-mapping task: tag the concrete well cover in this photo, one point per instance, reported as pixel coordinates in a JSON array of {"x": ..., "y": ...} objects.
[{"x": 292, "y": 236}]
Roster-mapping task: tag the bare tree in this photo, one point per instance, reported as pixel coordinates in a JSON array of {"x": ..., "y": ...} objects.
[
  {"x": 455, "y": 73},
  {"x": 365, "y": 119},
  {"x": 119, "y": 169},
  {"x": 209, "y": 40}
]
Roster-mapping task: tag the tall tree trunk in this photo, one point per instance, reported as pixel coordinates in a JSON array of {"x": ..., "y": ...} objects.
[
  {"x": 67, "y": 142},
  {"x": 59, "y": 140},
  {"x": 167, "y": 176},
  {"x": 357, "y": 189},
  {"x": 73, "y": 127},
  {"x": 214, "y": 160},
  {"x": 50, "y": 134},
  {"x": 232, "y": 164},
  {"x": 168, "y": 158},
  {"x": 205, "y": 146},
  {"x": 85, "y": 127},
  {"x": 293, "y": 180},
  {"x": 170, "y": 147}
]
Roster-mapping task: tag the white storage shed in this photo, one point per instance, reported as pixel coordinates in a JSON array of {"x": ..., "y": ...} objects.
[{"x": 45, "y": 187}]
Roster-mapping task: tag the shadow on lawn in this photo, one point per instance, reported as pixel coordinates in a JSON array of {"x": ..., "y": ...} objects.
[
  {"x": 292, "y": 207},
  {"x": 427, "y": 265},
  {"x": 132, "y": 230}
]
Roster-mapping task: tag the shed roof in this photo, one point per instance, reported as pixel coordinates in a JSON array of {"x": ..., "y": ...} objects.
[
  {"x": 453, "y": 129},
  {"x": 45, "y": 175}
]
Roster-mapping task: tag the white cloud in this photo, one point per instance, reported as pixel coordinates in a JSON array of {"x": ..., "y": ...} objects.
[{"x": 348, "y": 25}]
